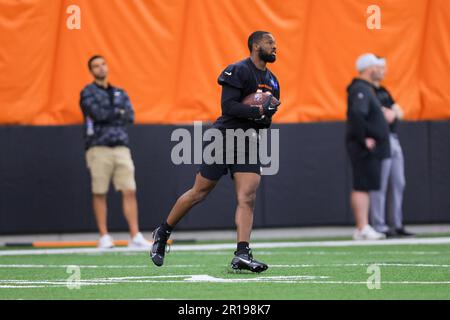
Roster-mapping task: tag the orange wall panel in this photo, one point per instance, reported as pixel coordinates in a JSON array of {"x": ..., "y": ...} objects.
[{"x": 168, "y": 53}]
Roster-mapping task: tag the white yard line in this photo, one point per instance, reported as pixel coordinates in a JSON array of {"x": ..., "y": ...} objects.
[
  {"x": 381, "y": 264},
  {"x": 227, "y": 246},
  {"x": 20, "y": 287},
  {"x": 202, "y": 278},
  {"x": 45, "y": 266},
  {"x": 146, "y": 266}
]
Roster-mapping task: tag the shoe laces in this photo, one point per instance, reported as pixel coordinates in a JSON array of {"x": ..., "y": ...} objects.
[
  {"x": 249, "y": 254},
  {"x": 161, "y": 243}
]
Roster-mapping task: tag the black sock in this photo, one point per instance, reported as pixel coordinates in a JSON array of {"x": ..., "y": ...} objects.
[
  {"x": 166, "y": 229},
  {"x": 243, "y": 248}
]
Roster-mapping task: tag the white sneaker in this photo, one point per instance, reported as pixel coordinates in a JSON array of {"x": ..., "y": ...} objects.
[
  {"x": 368, "y": 233},
  {"x": 105, "y": 242},
  {"x": 139, "y": 241}
]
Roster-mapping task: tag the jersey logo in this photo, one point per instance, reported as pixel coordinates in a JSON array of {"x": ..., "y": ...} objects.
[
  {"x": 265, "y": 86},
  {"x": 258, "y": 96},
  {"x": 228, "y": 73},
  {"x": 274, "y": 83},
  {"x": 360, "y": 95}
]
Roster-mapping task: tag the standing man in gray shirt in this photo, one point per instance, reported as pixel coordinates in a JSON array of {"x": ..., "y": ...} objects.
[
  {"x": 107, "y": 111},
  {"x": 390, "y": 195}
]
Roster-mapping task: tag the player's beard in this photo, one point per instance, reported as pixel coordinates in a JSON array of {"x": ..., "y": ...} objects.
[
  {"x": 266, "y": 57},
  {"x": 376, "y": 76},
  {"x": 100, "y": 77}
]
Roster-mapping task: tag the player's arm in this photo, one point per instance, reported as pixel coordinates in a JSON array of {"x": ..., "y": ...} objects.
[
  {"x": 232, "y": 106},
  {"x": 397, "y": 111},
  {"x": 128, "y": 113},
  {"x": 357, "y": 113},
  {"x": 92, "y": 109},
  {"x": 399, "y": 114},
  {"x": 396, "y": 107}
]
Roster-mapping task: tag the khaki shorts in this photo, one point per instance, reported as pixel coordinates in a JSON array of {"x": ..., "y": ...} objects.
[{"x": 105, "y": 163}]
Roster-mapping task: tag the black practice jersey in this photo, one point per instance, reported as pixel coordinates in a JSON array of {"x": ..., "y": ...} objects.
[
  {"x": 386, "y": 101},
  {"x": 238, "y": 80}
]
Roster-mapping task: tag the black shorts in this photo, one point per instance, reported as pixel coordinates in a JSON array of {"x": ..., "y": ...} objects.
[
  {"x": 366, "y": 173},
  {"x": 239, "y": 158}
]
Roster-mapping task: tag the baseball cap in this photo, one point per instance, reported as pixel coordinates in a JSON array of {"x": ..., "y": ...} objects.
[{"x": 367, "y": 60}]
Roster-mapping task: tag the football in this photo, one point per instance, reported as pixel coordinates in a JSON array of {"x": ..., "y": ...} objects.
[{"x": 259, "y": 98}]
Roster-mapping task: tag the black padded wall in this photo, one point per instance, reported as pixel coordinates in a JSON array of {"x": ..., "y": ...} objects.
[{"x": 45, "y": 186}]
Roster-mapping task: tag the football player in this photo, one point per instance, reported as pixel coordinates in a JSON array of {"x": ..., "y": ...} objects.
[{"x": 238, "y": 81}]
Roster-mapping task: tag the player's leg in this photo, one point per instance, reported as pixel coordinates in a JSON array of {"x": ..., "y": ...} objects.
[
  {"x": 397, "y": 184},
  {"x": 202, "y": 187},
  {"x": 360, "y": 205},
  {"x": 246, "y": 184},
  {"x": 100, "y": 164},
  {"x": 130, "y": 211},
  {"x": 378, "y": 199},
  {"x": 100, "y": 212},
  {"x": 359, "y": 196},
  {"x": 124, "y": 181},
  {"x": 397, "y": 187},
  {"x": 366, "y": 178}
]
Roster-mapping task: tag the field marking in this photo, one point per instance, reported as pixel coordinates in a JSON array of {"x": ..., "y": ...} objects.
[
  {"x": 207, "y": 278},
  {"x": 17, "y": 287},
  {"x": 381, "y": 264},
  {"x": 227, "y": 246},
  {"x": 319, "y": 253},
  {"x": 152, "y": 279},
  {"x": 44, "y": 266},
  {"x": 201, "y": 278}
]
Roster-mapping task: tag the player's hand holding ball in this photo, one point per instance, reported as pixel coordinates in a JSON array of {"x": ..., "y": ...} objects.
[
  {"x": 270, "y": 106},
  {"x": 267, "y": 103}
]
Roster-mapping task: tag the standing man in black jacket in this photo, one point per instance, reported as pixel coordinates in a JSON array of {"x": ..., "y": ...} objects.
[
  {"x": 367, "y": 142},
  {"x": 107, "y": 111}
]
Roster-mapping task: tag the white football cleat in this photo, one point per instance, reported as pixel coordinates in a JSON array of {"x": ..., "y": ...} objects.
[
  {"x": 139, "y": 241},
  {"x": 368, "y": 233},
  {"x": 105, "y": 242}
]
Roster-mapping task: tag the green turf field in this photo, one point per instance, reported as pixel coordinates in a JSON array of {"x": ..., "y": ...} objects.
[{"x": 406, "y": 272}]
